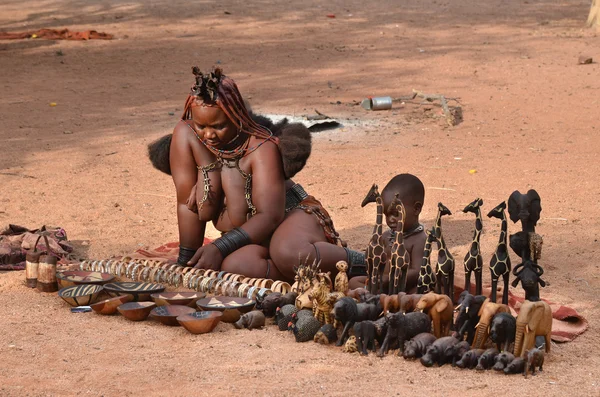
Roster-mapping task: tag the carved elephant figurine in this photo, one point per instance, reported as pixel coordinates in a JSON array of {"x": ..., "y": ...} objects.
[
  {"x": 468, "y": 315},
  {"x": 408, "y": 302},
  {"x": 488, "y": 310},
  {"x": 391, "y": 303},
  {"x": 440, "y": 310},
  {"x": 525, "y": 208},
  {"x": 534, "y": 319}
]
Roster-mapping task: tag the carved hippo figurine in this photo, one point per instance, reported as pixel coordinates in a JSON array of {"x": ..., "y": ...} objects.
[
  {"x": 403, "y": 327},
  {"x": 326, "y": 335},
  {"x": 417, "y": 346},
  {"x": 271, "y": 302},
  {"x": 457, "y": 351},
  {"x": 535, "y": 358},
  {"x": 251, "y": 320},
  {"x": 516, "y": 366},
  {"x": 437, "y": 352},
  {"x": 487, "y": 311},
  {"x": 502, "y": 361},
  {"x": 408, "y": 302},
  {"x": 502, "y": 330},
  {"x": 469, "y": 359},
  {"x": 486, "y": 360}
]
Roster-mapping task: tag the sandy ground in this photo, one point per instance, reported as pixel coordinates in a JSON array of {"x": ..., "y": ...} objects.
[{"x": 530, "y": 121}]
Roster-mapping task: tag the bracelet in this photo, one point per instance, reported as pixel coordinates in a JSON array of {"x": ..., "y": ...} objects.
[
  {"x": 232, "y": 241},
  {"x": 236, "y": 278},
  {"x": 186, "y": 279},
  {"x": 221, "y": 274},
  {"x": 252, "y": 293},
  {"x": 217, "y": 288},
  {"x": 211, "y": 285},
  {"x": 176, "y": 280},
  {"x": 232, "y": 288},
  {"x": 243, "y": 289},
  {"x": 209, "y": 273},
  {"x": 263, "y": 293},
  {"x": 193, "y": 282}
]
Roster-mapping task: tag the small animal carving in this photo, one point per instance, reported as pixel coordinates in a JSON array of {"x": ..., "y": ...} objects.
[
  {"x": 470, "y": 358},
  {"x": 358, "y": 293},
  {"x": 305, "y": 328},
  {"x": 376, "y": 256},
  {"x": 321, "y": 303},
  {"x": 350, "y": 345},
  {"x": 502, "y": 330},
  {"x": 439, "y": 352},
  {"x": 500, "y": 265},
  {"x": 468, "y": 315},
  {"x": 488, "y": 310},
  {"x": 417, "y": 346},
  {"x": 457, "y": 351},
  {"x": 486, "y": 360},
  {"x": 473, "y": 262},
  {"x": 535, "y": 358},
  {"x": 251, "y": 320},
  {"x": 368, "y": 311},
  {"x": 427, "y": 280},
  {"x": 283, "y": 316},
  {"x": 445, "y": 267},
  {"x": 364, "y": 332},
  {"x": 326, "y": 335},
  {"x": 525, "y": 208},
  {"x": 502, "y": 360},
  {"x": 403, "y": 327},
  {"x": 529, "y": 274},
  {"x": 345, "y": 311},
  {"x": 516, "y": 366},
  {"x": 408, "y": 302},
  {"x": 534, "y": 319},
  {"x": 271, "y": 302},
  {"x": 439, "y": 308},
  {"x": 341, "y": 279},
  {"x": 391, "y": 303}
]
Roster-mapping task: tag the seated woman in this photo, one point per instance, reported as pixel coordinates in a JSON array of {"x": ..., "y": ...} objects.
[{"x": 233, "y": 169}]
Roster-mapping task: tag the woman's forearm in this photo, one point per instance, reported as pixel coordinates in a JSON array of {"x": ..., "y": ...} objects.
[
  {"x": 261, "y": 226},
  {"x": 191, "y": 229}
]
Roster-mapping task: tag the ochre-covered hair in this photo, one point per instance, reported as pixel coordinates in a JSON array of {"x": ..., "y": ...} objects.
[{"x": 216, "y": 89}]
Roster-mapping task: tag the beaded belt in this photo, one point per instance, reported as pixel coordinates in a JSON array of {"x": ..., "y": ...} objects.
[{"x": 294, "y": 196}]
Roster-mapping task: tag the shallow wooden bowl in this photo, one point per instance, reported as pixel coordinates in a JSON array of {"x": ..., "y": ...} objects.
[
  {"x": 80, "y": 295},
  {"x": 76, "y": 277},
  {"x": 177, "y": 298},
  {"x": 232, "y": 308},
  {"x": 200, "y": 322},
  {"x": 168, "y": 314},
  {"x": 109, "y": 306},
  {"x": 136, "y": 311},
  {"x": 140, "y": 291}
]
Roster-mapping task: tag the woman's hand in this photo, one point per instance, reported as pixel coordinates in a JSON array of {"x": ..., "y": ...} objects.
[{"x": 207, "y": 257}]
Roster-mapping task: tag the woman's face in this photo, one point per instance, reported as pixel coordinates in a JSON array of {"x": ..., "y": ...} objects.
[{"x": 213, "y": 126}]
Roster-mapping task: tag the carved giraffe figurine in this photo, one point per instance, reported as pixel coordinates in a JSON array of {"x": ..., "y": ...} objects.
[
  {"x": 376, "y": 256},
  {"x": 500, "y": 261},
  {"x": 400, "y": 259},
  {"x": 426, "y": 280},
  {"x": 445, "y": 266},
  {"x": 473, "y": 261}
]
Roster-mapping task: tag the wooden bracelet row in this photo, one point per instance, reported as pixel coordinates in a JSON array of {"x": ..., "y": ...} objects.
[{"x": 209, "y": 281}]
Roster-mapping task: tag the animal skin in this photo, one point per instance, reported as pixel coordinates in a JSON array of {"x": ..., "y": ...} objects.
[
  {"x": 502, "y": 330},
  {"x": 326, "y": 335},
  {"x": 251, "y": 320},
  {"x": 502, "y": 360},
  {"x": 437, "y": 352},
  {"x": 534, "y": 319},
  {"x": 516, "y": 366},
  {"x": 440, "y": 310},
  {"x": 456, "y": 351},
  {"x": 417, "y": 346},
  {"x": 486, "y": 360},
  {"x": 535, "y": 358},
  {"x": 403, "y": 327},
  {"x": 469, "y": 359}
]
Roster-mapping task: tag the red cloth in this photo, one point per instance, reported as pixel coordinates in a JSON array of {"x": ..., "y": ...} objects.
[{"x": 55, "y": 34}]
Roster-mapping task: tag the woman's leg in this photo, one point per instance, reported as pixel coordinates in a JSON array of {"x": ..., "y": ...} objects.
[
  {"x": 300, "y": 236},
  {"x": 252, "y": 261}
]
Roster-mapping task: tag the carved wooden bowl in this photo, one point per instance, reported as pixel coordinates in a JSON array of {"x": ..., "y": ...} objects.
[
  {"x": 80, "y": 295},
  {"x": 200, "y": 322},
  {"x": 136, "y": 311},
  {"x": 70, "y": 278},
  {"x": 177, "y": 298},
  {"x": 140, "y": 291},
  {"x": 168, "y": 314},
  {"x": 109, "y": 306},
  {"x": 232, "y": 308}
]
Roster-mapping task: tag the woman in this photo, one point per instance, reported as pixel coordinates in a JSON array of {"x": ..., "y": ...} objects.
[{"x": 233, "y": 171}]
